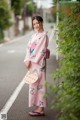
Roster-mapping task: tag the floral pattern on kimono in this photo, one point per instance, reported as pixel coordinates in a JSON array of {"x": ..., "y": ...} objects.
[{"x": 36, "y": 49}]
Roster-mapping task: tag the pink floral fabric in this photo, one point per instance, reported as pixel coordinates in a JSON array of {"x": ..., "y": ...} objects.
[{"x": 36, "y": 52}]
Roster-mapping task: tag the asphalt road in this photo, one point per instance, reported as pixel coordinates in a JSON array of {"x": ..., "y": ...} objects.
[{"x": 12, "y": 71}]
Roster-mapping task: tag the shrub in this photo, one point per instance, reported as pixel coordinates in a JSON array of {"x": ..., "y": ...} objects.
[
  {"x": 4, "y": 17},
  {"x": 67, "y": 91}
]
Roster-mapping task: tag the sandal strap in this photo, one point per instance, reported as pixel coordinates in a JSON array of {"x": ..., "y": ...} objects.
[
  {"x": 37, "y": 112},
  {"x": 34, "y": 113}
]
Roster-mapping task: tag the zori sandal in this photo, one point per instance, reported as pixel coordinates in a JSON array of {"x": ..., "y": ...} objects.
[{"x": 33, "y": 113}]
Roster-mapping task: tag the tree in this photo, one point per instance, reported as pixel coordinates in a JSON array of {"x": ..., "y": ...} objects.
[
  {"x": 22, "y": 8},
  {"x": 30, "y": 8},
  {"x": 4, "y": 17},
  {"x": 17, "y": 6}
]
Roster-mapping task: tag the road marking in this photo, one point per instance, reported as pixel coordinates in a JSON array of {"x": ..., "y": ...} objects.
[
  {"x": 9, "y": 103},
  {"x": 11, "y": 51}
]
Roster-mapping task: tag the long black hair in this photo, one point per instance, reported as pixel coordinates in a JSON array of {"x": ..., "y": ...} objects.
[{"x": 38, "y": 18}]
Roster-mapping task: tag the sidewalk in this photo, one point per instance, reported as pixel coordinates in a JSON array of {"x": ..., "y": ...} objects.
[{"x": 51, "y": 66}]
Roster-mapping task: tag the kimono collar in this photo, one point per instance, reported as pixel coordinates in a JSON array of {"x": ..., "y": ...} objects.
[
  {"x": 38, "y": 35},
  {"x": 41, "y": 33}
]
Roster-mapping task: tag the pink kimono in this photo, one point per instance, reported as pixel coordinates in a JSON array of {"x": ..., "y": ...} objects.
[{"x": 36, "y": 54}]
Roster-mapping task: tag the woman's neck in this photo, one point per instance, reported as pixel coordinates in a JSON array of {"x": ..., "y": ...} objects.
[{"x": 41, "y": 30}]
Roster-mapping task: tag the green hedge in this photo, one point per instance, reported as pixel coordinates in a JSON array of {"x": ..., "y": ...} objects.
[{"x": 67, "y": 77}]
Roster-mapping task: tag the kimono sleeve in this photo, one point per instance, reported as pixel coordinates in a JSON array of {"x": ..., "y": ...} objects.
[
  {"x": 27, "y": 57},
  {"x": 39, "y": 51}
]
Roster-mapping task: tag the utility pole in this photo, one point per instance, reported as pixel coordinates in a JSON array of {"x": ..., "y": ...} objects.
[{"x": 57, "y": 31}]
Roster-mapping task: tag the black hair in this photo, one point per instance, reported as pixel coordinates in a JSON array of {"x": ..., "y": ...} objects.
[{"x": 38, "y": 18}]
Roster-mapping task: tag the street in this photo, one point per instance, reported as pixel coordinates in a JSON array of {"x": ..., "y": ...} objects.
[{"x": 13, "y": 91}]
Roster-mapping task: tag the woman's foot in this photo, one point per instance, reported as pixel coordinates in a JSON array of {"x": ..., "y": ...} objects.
[
  {"x": 39, "y": 111},
  {"x": 33, "y": 113}
]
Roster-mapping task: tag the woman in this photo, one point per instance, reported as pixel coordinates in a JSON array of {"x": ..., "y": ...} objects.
[{"x": 36, "y": 59}]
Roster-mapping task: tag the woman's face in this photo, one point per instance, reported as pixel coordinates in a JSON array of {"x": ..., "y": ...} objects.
[{"x": 38, "y": 26}]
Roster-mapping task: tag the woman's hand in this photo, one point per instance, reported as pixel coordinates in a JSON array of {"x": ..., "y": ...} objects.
[{"x": 27, "y": 64}]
